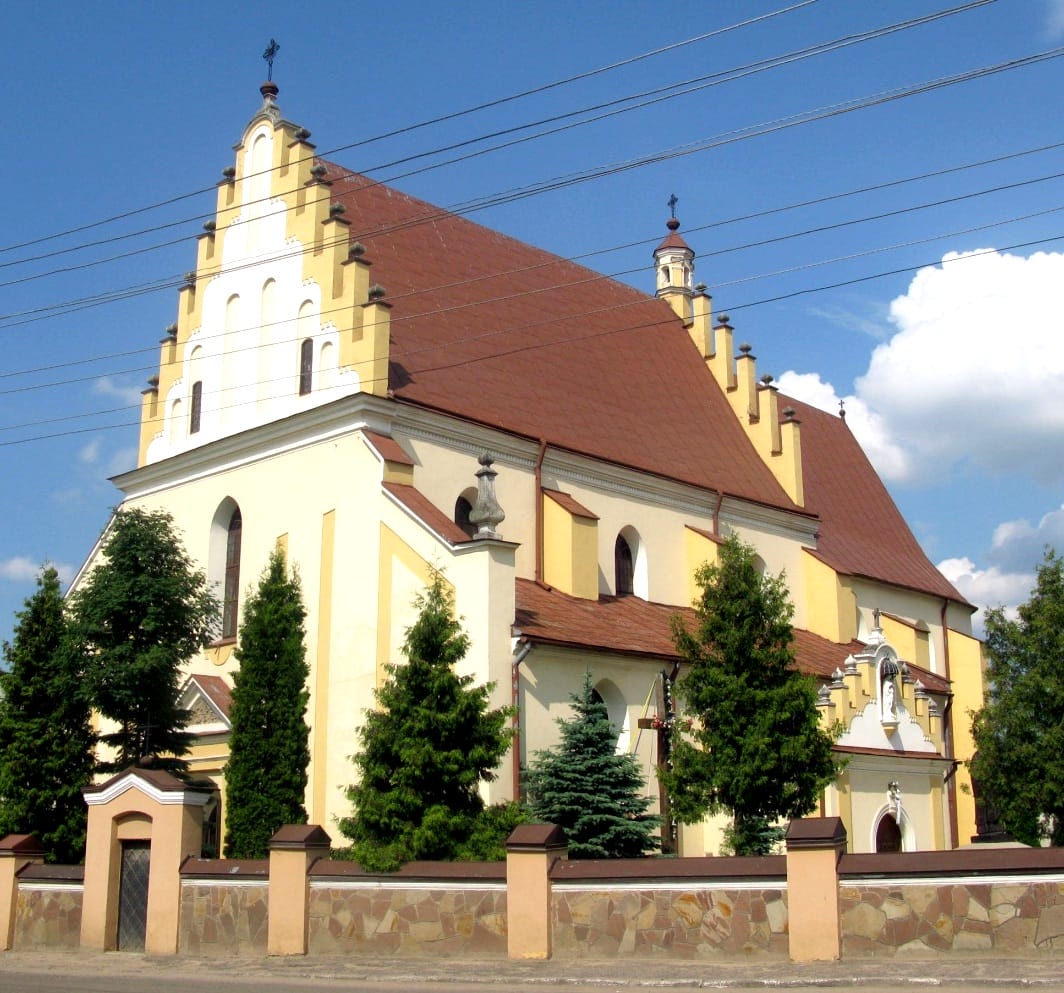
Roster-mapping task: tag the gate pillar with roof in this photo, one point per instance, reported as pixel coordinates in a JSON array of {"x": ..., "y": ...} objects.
[{"x": 143, "y": 823}]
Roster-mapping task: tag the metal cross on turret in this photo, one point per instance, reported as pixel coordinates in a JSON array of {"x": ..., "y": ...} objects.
[
  {"x": 269, "y": 55},
  {"x": 672, "y": 202}
]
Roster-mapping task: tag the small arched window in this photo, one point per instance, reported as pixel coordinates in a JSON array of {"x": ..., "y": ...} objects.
[
  {"x": 231, "y": 588},
  {"x": 195, "y": 407},
  {"x": 624, "y": 567},
  {"x": 463, "y": 507},
  {"x": 306, "y": 366}
]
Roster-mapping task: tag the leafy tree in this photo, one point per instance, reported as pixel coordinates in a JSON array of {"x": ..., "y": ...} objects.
[
  {"x": 269, "y": 748},
  {"x": 755, "y": 749},
  {"x": 585, "y": 787},
  {"x": 141, "y": 614},
  {"x": 46, "y": 740},
  {"x": 1019, "y": 732},
  {"x": 425, "y": 751}
]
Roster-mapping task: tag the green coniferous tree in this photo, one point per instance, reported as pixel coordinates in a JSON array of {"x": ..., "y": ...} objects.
[
  {"x": 140, "y": 615},
  {"x": 589, "y": 790},
  {"x": 425, "y": 751},
  {"x": 46, "y": 740},
  {"x": 755, "y": 749},
  {"x": 269, "y": 745},
  {"x": 1019, "y": 731}
]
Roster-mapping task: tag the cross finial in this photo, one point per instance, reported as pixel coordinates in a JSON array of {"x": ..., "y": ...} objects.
[
  {"x": 269, "y": 55},
  {"x": 673, "y": 201}
]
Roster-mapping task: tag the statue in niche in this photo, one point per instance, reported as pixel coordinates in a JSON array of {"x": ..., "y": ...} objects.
[{"x": 888, "y": 692}]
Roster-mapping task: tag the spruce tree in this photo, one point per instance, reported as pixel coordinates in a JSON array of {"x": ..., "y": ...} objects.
[
  {"x": 585, "y": 787},
  {"x": 140, "y": 615},
  {"x": 425, "y": 751},
  {"x": 46, "y": 740},
  {"x": 755, "y": 749},
  {"x": 269, "y": 745}
]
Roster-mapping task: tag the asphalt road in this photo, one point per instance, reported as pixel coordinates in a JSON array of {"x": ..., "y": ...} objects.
[{"x": 88, "y": 972}]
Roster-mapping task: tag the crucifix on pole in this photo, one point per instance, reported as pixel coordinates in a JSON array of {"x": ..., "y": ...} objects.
[{"x": 663, "y": 722}]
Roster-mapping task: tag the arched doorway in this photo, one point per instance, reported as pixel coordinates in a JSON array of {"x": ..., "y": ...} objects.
[{"x": 888, "y": 835}]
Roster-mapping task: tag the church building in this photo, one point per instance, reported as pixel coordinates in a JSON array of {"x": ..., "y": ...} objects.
[{"x": 386, "y": 389}]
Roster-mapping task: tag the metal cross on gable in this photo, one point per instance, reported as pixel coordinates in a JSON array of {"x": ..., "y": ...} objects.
[{"x": 269, "y": 55}]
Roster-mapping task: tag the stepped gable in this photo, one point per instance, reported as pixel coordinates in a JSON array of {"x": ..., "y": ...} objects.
[
  {"x": 862, "y": 532},
  {"x": 496, "y": 331}
]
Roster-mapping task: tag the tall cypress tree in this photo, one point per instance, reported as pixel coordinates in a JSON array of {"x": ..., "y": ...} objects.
[
  {"x": 755, "y": 749},
  {"x": 425, "y": 751},
  {"x": 585, "y": 787},
  {"x": 141, "y": 614},
  {"x": 269, "y": 745},
  {"x": 46, "y": 741}
]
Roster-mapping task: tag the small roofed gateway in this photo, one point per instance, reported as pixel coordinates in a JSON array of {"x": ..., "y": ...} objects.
[{"x": 386, "y": 388}]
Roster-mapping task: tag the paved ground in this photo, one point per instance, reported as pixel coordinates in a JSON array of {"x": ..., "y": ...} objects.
[{"x": 981, "y": 973}]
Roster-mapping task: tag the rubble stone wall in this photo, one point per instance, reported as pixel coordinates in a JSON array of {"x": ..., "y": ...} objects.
[
  {"x": 445, "y": 919},
  {"x": 223, "y": 918},
  {"x": 682, "y": 922},
  {"x": 48, "y": 916},
  {"x": 985, "y": 918}
]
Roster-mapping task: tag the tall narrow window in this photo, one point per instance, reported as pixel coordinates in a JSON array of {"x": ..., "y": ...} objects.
[
  {"x": 462, "y": 509},
  {"x": 623, "y": 567},
  {"x": 306, "y": 366},
  {"x": 195, "y": 407},
  {"x": 231, "y": 595}
]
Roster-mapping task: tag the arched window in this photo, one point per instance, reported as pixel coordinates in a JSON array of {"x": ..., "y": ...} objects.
[
  {"x": 888, "y": 835},
  {"x": 463, "y": 507},
  {"x": 624, "y": 567},
  {"x": 231, "y": 588},
  {"x": 306, "y": 366},
  {"x": 195, "y": 407}
]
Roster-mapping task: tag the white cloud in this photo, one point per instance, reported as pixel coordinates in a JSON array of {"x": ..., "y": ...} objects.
[
  {"x": 871, "y": 430},
  {"x": 122, "y": 460},
  {"x": 1054, "y": 18},
  {"x": 1019, "y": 544},
  {"x": 973, "y": 374},
  {"x": 90, "y": 452},
  {"x": 21, "y": 569},
  {"x": 991, "y": 587},
  {"x": 107, "y": 386}
]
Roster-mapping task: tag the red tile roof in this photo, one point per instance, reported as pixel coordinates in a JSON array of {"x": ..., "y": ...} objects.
[
  {"x": 566, "y": 500},
  {"x": 496, "y": 331},
  {"x": 216, "y": 689},
  {"x": 424, "y": 510},
  {"x": 631, "y": 626},
  {"x": 862, "y": 532},
  {"x": 493, "y": 330}
]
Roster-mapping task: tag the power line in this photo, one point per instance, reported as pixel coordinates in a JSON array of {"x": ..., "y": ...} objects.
[
  {"x": 454, "y": 115},
  {"x": 601, "y": 172},
  {"x": 429, "y": 291},
  {"x": 647, "y": 98}
]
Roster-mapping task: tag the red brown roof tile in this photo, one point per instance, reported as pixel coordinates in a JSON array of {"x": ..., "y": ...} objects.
[
  {"x": 862, "y": 532},
  {"x": 496, "y": 331},
  {"x": 424, "y": 510}
]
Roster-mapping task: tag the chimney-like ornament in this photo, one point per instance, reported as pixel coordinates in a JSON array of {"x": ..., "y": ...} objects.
[{"x": 486, "y": 514}]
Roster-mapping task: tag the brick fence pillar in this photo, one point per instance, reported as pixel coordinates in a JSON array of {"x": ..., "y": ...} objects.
[
  {"x": 531, "y": 851},
  {"x": 16, "y": 852},
  {"x": 293, "y": 850},
  {"x": 814, "y": 847}
]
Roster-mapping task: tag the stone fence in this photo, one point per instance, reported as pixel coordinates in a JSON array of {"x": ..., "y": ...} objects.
[{"x": 814, "y": 903}]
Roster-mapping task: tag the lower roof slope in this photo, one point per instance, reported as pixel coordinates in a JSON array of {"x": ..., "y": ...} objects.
[
  {"x": 491, "y": 329},
  {"x": 862, "y": 531}
]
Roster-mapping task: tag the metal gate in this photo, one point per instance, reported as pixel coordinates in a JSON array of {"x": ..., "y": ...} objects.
[{"x": 133, "y": 896}]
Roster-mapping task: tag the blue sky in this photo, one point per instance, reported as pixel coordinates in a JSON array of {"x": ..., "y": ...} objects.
[{"x": 952, "y": 372}]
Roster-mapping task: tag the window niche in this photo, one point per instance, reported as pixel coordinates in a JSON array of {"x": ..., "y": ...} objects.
[{"x": 224, "y": 563}]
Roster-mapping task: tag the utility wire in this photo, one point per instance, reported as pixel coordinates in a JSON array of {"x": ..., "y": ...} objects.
[
  {"x": 598, "y": 173},
  {"x": 454, "y": 115},
  {"x": 647, "y": 98},
  {"x": 644, "y": 242}
]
